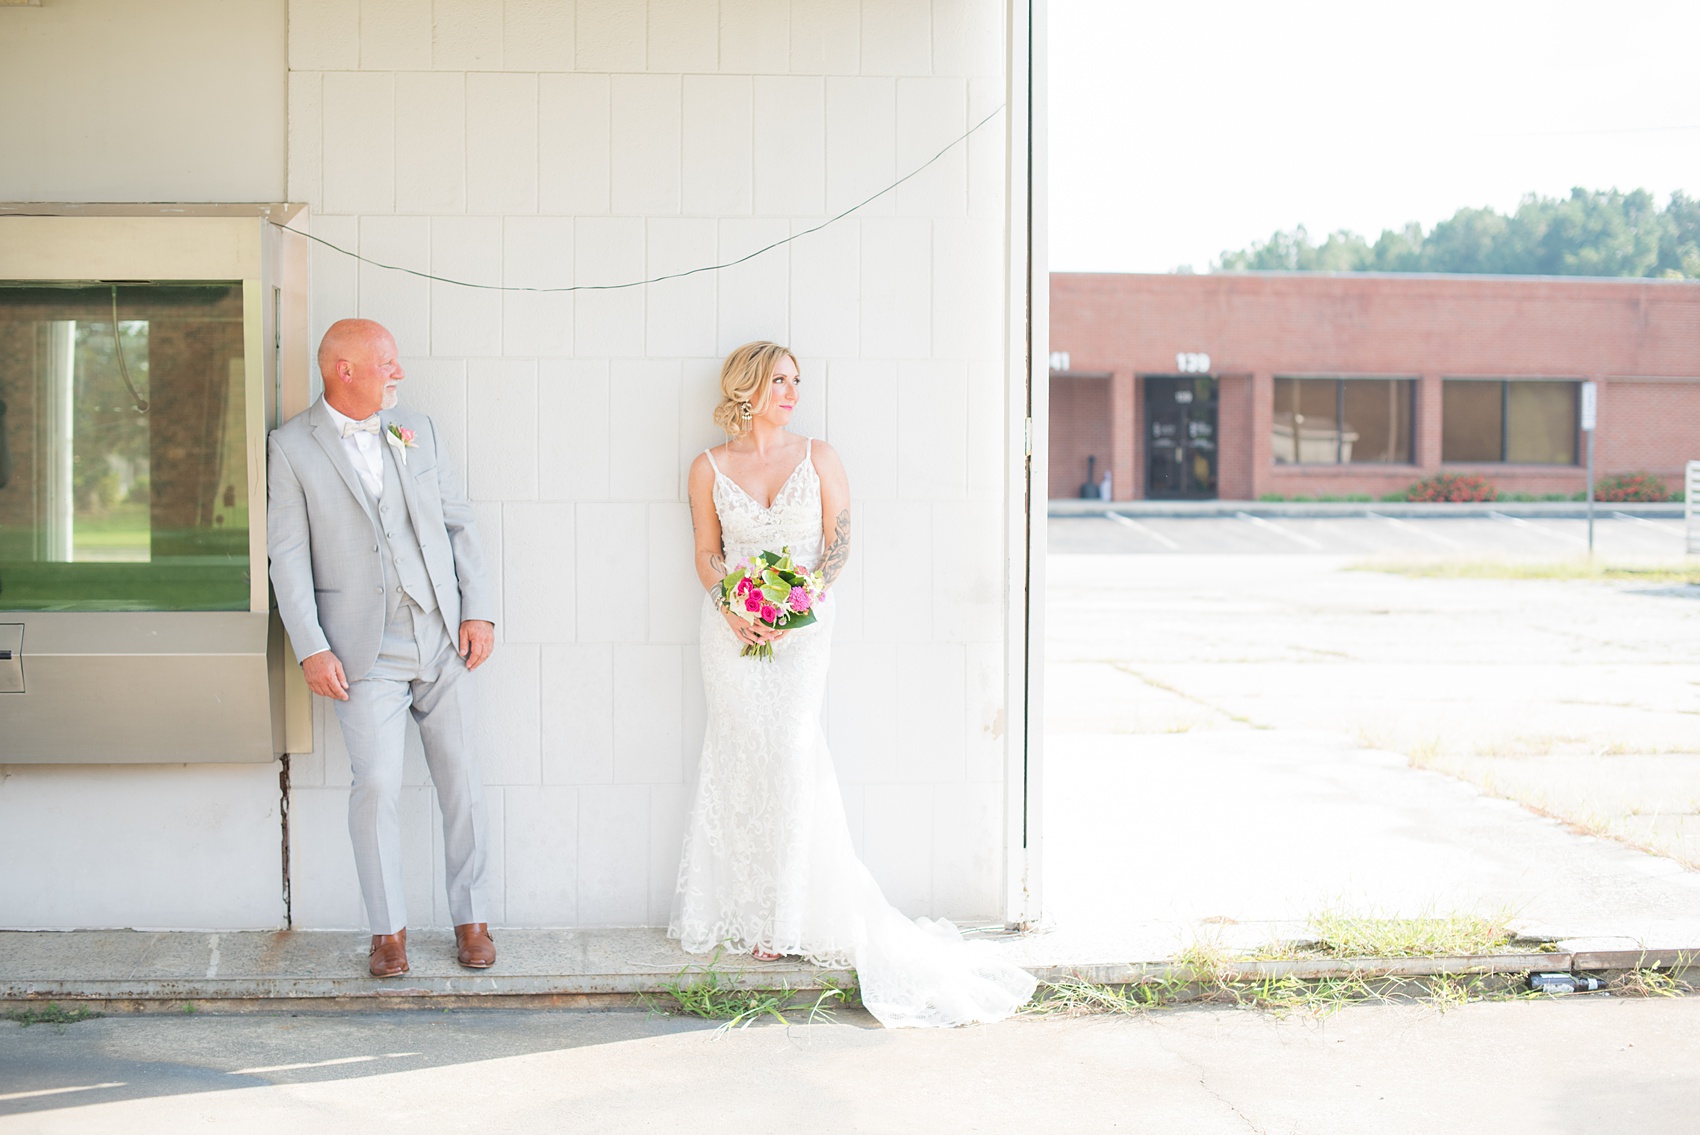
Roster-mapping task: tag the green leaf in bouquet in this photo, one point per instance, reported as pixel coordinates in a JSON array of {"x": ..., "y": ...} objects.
[{"x": 803, "y": 620}]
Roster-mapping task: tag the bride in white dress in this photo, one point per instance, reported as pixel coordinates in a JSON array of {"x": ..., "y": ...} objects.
[{"x": 768, "y": 865}]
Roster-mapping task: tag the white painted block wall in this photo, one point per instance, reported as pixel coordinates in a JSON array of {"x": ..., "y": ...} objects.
[
  {"x": 541, "y": 144},
  {"x": 536, "y": 143}
]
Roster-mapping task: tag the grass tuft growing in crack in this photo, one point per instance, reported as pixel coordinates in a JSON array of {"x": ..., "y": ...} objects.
[
  {"x": 1649, "y": 982},
  {"x": 51, "y": 1014},
  {"x": 1277, "y": 995},
  {"x": 710, "y": 993},
  {"x": 1205, "y": 972}
]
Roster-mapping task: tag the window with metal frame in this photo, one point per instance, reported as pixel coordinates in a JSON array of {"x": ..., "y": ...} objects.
[
  {"x": 1343, "y": 421},
  {"x": 1509, "y": 421}
]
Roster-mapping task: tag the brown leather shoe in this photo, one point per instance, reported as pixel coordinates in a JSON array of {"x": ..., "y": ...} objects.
[
  {"x": 477, "y": 948},
  {"x": 389, "y": 954}
]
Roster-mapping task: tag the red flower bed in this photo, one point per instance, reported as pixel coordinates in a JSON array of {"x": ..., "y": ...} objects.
[
  {"x": 1631, "y": 487},
  {"x": 1452, "y": 487}
]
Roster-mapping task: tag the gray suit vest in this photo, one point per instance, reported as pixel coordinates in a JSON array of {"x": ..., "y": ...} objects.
[{"x": 404, "y": 563}]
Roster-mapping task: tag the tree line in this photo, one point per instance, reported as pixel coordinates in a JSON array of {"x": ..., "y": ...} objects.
[{"x": 1589, "y": 233}]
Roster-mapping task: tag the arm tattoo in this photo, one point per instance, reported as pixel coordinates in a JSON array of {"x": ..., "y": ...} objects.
[
  {"x": 838, "y": 552},
  {"x": 718, "y": 565}
]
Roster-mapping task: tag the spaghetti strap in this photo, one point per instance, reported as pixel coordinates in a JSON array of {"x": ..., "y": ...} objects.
[
  {"x": 711, "y": 464},
  {"x": 808, "y": 448}
]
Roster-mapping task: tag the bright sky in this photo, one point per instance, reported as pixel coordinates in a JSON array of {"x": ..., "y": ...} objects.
[{"x": 1180, "y": 129}]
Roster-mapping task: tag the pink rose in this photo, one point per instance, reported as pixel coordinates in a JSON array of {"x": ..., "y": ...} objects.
[
  {"x": 743, "y": 587},
  {"x": 800, "y": 599},
  {"x": 769, "y": 612},
  {"x": 753, "y": 603},
  {"x": 406, "y": 434}
]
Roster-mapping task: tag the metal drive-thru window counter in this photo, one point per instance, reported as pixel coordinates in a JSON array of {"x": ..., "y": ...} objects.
[{"x": 144, "y": 353}]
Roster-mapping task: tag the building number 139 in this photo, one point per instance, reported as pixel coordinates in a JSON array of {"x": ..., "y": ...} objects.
[{"x": 1192, "y": 362}]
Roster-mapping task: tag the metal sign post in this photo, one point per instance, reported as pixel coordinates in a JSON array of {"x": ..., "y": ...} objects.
[{"x": 1590, "y": 416}]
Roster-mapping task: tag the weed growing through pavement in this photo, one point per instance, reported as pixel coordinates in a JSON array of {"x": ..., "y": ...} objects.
[
  {"x": 1654, "y": 981},
  {"x": 710, "y": 993},
  {"x": 1206, "y": 973},
  {"x": 1280, "y": 995},
  {"x": 51, "y": 1014}
]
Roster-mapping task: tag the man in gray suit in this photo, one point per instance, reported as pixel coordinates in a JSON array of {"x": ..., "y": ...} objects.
[{"x": 381, "y": 584}]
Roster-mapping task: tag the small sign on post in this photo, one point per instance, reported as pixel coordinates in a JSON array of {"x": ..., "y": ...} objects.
[{"x": 1590, "y": 415}]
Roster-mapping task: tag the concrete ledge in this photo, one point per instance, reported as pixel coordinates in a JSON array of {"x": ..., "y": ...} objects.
[
  {"x": 139, "y": 972},
  {"x": 1317, "y": 969},
  {"x": 1182, "y": 510}
]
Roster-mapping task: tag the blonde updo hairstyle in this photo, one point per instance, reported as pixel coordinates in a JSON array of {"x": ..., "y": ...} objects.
[{"x": 746, "y": 384}]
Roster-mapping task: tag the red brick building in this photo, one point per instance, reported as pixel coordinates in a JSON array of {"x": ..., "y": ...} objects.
[{"x": 1239, "y": 386}]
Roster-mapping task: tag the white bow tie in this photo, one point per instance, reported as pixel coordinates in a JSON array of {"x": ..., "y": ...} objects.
[{"x": 370, "y": 426}]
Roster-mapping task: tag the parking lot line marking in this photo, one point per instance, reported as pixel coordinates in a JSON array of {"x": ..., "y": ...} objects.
[
  {"x": 1669, "y": 528},
  {"x": 1143, "y": 530},
  {"x": 318, "y": 1064},
  {"x": 1444, "y": 541},
  {"x": 1279, "y": 531},
  {"x": 1521, "y": 523},
  {"x": 39, "y": 1092}
]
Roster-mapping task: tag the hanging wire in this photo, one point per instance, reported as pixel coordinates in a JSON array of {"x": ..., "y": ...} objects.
[
  {"x": 142, "y": 404},
  {"x": 654, "y": 279}
]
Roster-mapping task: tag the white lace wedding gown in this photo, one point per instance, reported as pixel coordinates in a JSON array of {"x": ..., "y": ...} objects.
[{"x": 768, "y": 860}]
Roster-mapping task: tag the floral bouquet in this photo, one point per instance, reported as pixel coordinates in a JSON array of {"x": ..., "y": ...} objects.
[{"x": 771, "y": 590}]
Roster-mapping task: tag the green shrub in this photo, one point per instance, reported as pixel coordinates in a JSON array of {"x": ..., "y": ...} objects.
[
  {"x": 1631, "y": 487},
  {"x": 1452, "y": 487},
  {"x": 1271, "y": 497}
]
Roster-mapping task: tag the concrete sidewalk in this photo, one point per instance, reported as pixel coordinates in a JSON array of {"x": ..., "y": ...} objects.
[{"x": 1572, "y": 1066}]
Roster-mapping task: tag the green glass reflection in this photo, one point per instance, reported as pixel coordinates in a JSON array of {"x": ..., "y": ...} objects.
[{"x": 123, "y": 448}]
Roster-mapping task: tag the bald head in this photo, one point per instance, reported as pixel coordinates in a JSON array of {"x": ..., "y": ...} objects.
[{"x": 357, "y": 360}]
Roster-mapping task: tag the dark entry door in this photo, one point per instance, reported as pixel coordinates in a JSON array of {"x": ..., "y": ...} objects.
[{"x": 1180, "y": 438}]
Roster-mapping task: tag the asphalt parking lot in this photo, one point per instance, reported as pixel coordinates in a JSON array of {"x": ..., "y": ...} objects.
[{"x": 1293, "y": 684}]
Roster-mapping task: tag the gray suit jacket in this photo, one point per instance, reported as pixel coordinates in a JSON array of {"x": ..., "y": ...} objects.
[{"x": 322, "y": 537}]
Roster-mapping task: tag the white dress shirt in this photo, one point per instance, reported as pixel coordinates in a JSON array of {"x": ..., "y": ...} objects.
[{"x": 365, "y": 450}]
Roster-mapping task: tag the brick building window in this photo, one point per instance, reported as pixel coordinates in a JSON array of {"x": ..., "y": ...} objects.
[
  {"x": 1519, "y": 422},
  {"x": 1343, "y": 421}
]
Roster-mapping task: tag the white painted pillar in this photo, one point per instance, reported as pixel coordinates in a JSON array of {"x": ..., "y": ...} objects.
[
  {"x": 1027, "y": 347},
  {"x": 58, "y": 496}
]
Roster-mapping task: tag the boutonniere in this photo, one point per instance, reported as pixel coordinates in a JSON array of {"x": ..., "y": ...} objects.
[{"x": 402, "y": 438}]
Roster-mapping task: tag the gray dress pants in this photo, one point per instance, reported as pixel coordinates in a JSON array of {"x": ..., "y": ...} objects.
[{"x": 418, "y": 671}]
